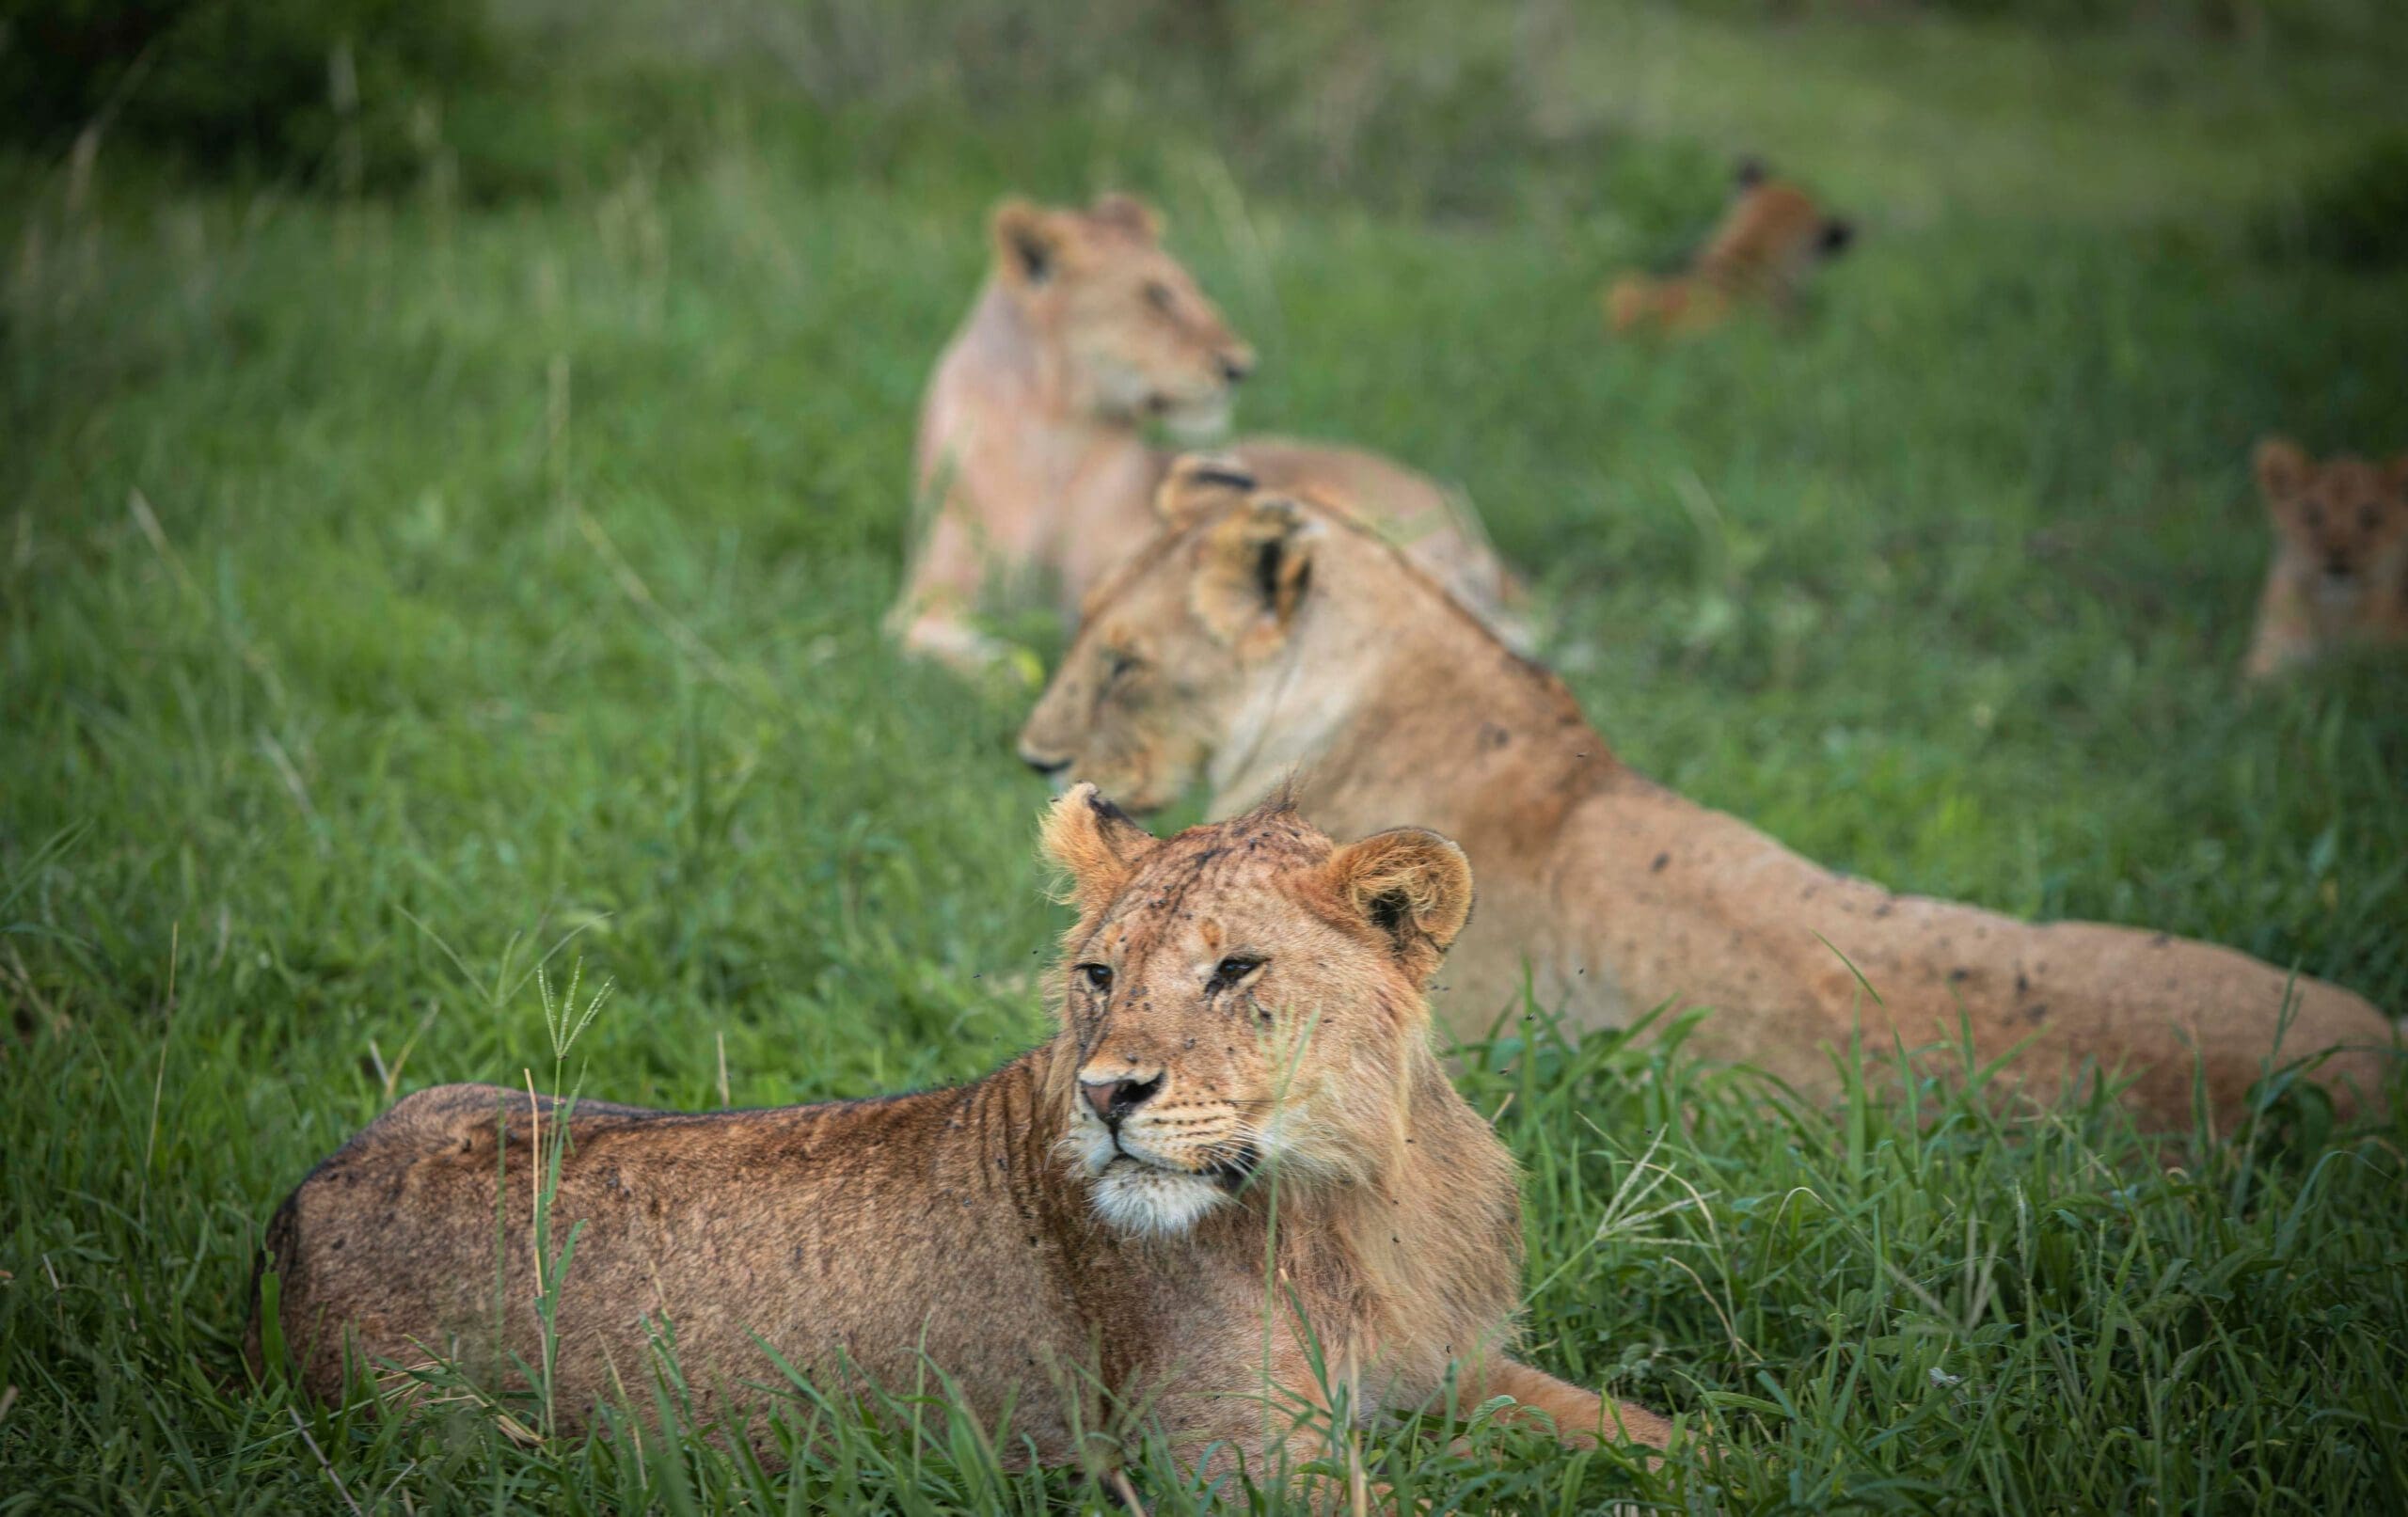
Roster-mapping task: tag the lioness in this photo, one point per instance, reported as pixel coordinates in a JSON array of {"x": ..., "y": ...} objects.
[
  {"x": 1760, "y": 253},
  {"x": 1030, "y": 450},
  {"x": 2340, "y": 570},
  {"x": 1242, "y": 1033},
  {"x": 1263, "y": 637}
]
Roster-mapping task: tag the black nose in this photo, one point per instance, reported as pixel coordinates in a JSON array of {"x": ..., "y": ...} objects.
[
  {"x": 2338, "y": 567},
  {"x": 1046, "y": 766},
  {"x": 1235, "y": 369},
  {"x": 1115, "y": 1098}
]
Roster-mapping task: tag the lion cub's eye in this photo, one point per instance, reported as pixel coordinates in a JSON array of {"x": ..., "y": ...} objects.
[
  {"x": 1158, "y": 296},
  {"x": 1118, "y": 664},
  {"x": 1099, "y": 976},
  {"x": 1235, "y": 968}
]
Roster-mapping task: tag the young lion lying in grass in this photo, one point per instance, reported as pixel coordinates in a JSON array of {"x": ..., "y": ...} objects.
[
  {"x": 1263, "y": 636},
  {"x": 2340, "y": 576},
  {"x": 1030, "y": 449},
  {"x": 1081, "y": 1235}
]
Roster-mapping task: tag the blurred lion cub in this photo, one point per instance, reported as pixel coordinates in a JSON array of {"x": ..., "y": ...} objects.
[
  {"x": 2340, "y": 570},
  {"x": 1761, "y": 251}
]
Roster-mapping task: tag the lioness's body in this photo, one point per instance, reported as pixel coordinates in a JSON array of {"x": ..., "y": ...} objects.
[
  {"x": 1029, "y": 448},
  {"x": 1080, "y": 1269},
  {"x": 1759, "y": 254},
  {"x": 2340, "y": 575},
  {"x": 1613, "y": 894}
]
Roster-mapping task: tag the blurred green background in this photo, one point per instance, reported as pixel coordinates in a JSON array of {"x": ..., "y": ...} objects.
[{"x": 455, "y": 457}]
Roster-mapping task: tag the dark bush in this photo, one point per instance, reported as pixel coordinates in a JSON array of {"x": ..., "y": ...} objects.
[
  {"x": 281, "y": 85},
  {"x": 2355, "y": 216}
]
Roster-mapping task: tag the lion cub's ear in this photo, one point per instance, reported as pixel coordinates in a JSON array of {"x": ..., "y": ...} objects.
[
  {"x": 2284, "y": 469},
  {"x": 1028, "y": 242},
  {"x": 1096, "y": 844},
  {"x": 1255, "y": 570},
  {"x": 1128, "y": 213},
  {"x": 1413, "y": 885},
  {"x": 1195, "y": 483}
]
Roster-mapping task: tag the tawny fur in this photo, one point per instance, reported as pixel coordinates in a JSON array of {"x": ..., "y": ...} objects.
[
  {"x": 1380, "y": 701},
  {"x": 1768, "y": 240},
  {"x": 1031, "y": 456},
  {"x": 2340, "y": 576},
  {"x": 853, "y": 1237}
]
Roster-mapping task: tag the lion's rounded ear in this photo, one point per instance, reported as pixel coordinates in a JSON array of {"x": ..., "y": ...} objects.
[
  {"x": 1028, "y": 242},
  {"x": 1128, "y": 213},
  {"x": 1255, "y": 570},
  {"x": 1195, "y": 483},
  {"x": 1096, "y": 844},
  {"x": 2284, "y": 469},
  {"x": 1413, "y": 886}
]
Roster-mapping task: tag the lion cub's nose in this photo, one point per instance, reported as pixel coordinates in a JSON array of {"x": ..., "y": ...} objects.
[
  {"x": 1237, "y": 364},
  {"x": 1115, "y": 1098}
]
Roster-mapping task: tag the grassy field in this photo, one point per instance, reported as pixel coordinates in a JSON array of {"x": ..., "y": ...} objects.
[{"x": 399, "y": 592}]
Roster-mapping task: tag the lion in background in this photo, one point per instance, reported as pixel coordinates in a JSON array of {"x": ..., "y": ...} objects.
[
  {"x": 1266, "y": 638},
  {"x": 1770, "y": 239},
  {"x": 1031, "y": 451},
  {"x": 1086, "y": 1235},
  {"x": 2340, "y": 576}
]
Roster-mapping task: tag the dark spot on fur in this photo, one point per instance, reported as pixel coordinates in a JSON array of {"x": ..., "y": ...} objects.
[
  {"x": 2036, "y": 1012},
  {"x": 2022, "y": 985},
  {"x": 1959, "y": 974},
  {"x": 1661, "y": 859}
]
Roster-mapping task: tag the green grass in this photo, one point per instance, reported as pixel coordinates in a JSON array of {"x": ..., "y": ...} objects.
[{"x": 393, "y": 592}]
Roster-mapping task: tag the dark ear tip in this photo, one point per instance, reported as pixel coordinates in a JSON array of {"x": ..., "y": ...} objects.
[
  {"x": 1838, "y": 233},
  {"x": 1212, "y": 469},
  {"x": 1225, "y": 475},
  {"x": 1750, "y": 173},
  {"x": 1102, "y": 806}
]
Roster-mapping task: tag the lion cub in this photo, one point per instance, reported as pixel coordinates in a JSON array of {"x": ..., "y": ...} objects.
[
  {"x": 1083, "y": 1237},
  {"x": 1761, "y": 252},
  {"x": 2340, "y": 569}
]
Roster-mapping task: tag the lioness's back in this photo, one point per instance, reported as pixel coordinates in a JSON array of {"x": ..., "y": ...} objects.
[{"x": 824, "y": 1231}]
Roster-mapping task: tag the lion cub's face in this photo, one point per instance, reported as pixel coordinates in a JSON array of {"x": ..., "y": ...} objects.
[
  {"x": 2344, "y": 521},
  {"x": 1134, "y": 335},
  {"x": 1178, "y": 648},
  {"x": 1243, "y": 999}
]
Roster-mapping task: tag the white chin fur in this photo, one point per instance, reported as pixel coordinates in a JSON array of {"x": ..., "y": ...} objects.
[
  {"x": 1199, "y": 421},
  {"x": 1146, "y": 1202}
]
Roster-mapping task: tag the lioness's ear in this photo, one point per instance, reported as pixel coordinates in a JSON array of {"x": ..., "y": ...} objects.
[
  {"x": 1195, "y": 483},
  {"x": 1413, "y": 885},
  {"x": 1255, "y": 568},
  {"x": 1750, "y": 173},
  {"x": 1028, "y": 244},
  {"x": 1096, "y": 844},
  {"x": 2283, "y": 469},
  {"x": 1129, "y": 215}
]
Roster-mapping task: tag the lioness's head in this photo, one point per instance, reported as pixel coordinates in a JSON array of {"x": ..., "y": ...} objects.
[
  {"x": 1243, "y": 1002},
  {"x": 1774, "y": 224},
  {"x": 2346, "y": 515},
  {"x": 1173, "y": 647},
  {"x": 1134, "y": 335}
]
